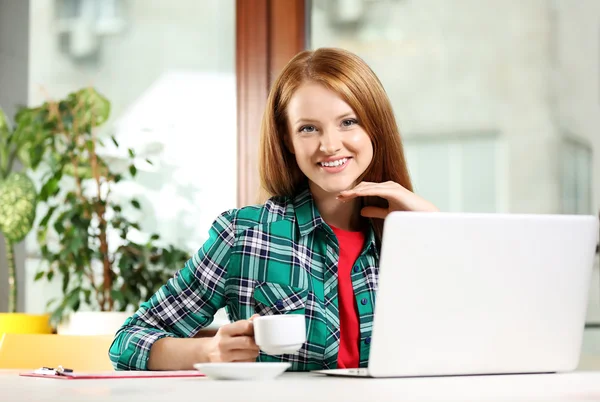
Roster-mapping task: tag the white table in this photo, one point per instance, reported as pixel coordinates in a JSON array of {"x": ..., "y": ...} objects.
[{"x": 308, "y": 387}]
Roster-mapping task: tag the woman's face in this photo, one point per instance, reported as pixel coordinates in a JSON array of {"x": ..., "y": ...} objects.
[{"x": 330, "y": 146}]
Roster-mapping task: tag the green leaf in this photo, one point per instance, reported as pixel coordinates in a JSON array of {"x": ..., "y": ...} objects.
[
  {"x": 83, "y": 171},
  {"x": 132, "y": 170},
  {"x": 91, "y": 108},
  {"x": 117, "y": 296},
  {"x": 57, "y": 314},
  {"x": 136, "y": 204},
  {"x": 50, "y": 189},
  {"x": 131, "y": 153},
  {"x": 4, "y": 135},
  {"x": 89, "y": 145},
  {"x": 87, "y": 296},
  {"x": 32, "y": 151},
  {"x": 65, "y": 282},
  {"x": 30, "y": 120},
  {"x": 48, "y": 216},
  {"x": 75, "y": 244},
  {"x": 18, "y": 200},
  {"x": 149, "y": 162},
  {"x": 114, "y": 140},
  {"x": 50, "y": 302},
  {"x": 50, "y": 275},
  {"x": 59, "y": 227},
  {"x": 39, "y": 275},
  {"x": 154, "y": 237},
  {"x": 67, "y": 120},
  {"x": 4, "y": 129},
  {"x": 76, "y": 303}
]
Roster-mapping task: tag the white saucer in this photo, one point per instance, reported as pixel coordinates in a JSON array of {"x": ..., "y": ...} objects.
[{"x": 242, "y": 371}]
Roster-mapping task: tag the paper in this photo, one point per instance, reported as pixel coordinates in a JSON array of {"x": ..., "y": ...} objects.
[{"x": 110, "y": 374}]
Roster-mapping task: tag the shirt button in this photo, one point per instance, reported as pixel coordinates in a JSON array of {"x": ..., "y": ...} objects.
[
  {"x": 363, "y": 301},
  {"x": 279, "y": 303},
  {"x": 367, "y": 340},
  {"x": 357, "y": 269}
]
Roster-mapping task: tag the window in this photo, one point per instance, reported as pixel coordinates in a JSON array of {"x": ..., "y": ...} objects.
[
  {"x": 575, "y": 175},
  {"x": 457, "y": 173},
  {"x": 169, "y": 70}
]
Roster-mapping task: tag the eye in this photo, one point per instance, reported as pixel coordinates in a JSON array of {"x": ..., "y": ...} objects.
[
  {"x": 349, "y": 122},
  {"x": 307, "y": 129}
]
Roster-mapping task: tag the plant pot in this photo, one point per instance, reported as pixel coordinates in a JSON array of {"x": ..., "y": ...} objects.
[
  {"x": 92, "y": 323},
  {"x": 20, "y": 323}
]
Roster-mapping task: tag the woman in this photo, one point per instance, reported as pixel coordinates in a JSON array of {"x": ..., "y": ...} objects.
[{"x": 332, "y": 162}]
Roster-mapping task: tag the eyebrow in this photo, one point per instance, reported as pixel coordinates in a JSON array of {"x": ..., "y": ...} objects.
[{"x": 307, "y": 120}]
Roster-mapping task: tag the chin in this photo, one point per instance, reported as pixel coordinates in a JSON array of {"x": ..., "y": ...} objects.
[{"x": 334, "y": 186}]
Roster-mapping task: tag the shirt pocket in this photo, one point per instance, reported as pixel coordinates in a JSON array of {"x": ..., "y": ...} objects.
[{"x": 274, "y": 298}]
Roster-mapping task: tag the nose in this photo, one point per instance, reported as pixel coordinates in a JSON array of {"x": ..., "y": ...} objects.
[{"x": 331, "y": 142}]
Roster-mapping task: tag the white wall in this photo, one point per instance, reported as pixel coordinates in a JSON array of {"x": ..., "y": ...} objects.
[
  {"x": 466, "y": 67},
  {"x": 170, "y": 75},
  {"x": 577, "y": 76}
]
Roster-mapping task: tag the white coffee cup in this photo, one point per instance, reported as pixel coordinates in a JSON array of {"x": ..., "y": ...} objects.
[{"x": 280, "y": 334}]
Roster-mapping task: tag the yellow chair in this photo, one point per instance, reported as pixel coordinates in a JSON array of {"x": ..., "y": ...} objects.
[
  {"x": 22, "y": 323},
  {"x": 77, "y": 352}
]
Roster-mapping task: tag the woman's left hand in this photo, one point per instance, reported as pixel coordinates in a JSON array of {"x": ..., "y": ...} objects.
[{"x": 398, "y": 197}]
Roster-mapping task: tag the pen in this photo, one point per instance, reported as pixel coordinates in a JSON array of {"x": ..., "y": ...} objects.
[{"x": 59, "y": 370}]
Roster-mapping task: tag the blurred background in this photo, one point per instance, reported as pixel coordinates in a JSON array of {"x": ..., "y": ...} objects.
[{"x": 497, "y": 101}]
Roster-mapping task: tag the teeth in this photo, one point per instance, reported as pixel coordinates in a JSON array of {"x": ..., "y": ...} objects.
[{"x": 339, "y": 162}]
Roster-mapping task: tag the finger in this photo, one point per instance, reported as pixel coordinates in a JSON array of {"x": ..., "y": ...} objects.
[
  {"x": 253, "y": 317},
  {"x": 243, "y": 356},
  {"x": 241, "y": 327},
  {"x": 252, "y": 360},
  {"x": 379, "y": 191},
  {"x": 374, "y": 212},
  {"x": 239, "y": 343},
  {"x": 392, "y": 184},
  {"x": 237, "y": 356},
  {"x": 347, "y": 195},
  {"x": 371, "y": 185},
  {"x": 361, "y": 185}
]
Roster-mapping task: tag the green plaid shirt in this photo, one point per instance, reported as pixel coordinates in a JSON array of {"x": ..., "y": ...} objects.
[{"x": 276, "y": 258}]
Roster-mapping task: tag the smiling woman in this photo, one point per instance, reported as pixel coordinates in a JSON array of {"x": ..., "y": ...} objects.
[
  {"x": 328, "y": 141},
  {"x": 329, "y": 125}
]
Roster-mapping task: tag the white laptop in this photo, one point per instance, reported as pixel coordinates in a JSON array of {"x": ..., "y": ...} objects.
[{"x": 472, "y": 294}]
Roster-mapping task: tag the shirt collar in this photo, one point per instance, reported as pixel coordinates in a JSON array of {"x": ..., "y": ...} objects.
[
  {"x": 371, "y": 240},
  {"x": 307, "y": 215},
  {"x": 308, "y": 219}
]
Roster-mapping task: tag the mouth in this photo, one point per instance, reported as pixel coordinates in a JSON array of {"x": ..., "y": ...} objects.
[
  {"x": 334, "y": 166},
  {"x": 334, "y": 163}
]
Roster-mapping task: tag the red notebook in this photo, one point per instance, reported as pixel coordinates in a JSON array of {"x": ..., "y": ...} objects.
[{"x": 70, "y": 375}]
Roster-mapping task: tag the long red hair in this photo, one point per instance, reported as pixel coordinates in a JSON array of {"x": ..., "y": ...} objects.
[{"x": 353, "y": 80}]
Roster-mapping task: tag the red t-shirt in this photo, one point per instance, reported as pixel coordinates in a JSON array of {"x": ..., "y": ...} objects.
[{"x": 351, "y": 245}]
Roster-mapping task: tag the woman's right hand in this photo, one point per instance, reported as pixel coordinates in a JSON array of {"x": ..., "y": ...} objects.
[{"x": 233, "y": 342}]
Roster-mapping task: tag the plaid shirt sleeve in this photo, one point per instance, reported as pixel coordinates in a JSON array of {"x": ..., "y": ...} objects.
[{"x": 181, "y": 307}]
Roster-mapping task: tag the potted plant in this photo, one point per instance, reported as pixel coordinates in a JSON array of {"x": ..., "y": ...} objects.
[
  {"x": 87, "y": 235},
  {"x": 18, "y": 199}
]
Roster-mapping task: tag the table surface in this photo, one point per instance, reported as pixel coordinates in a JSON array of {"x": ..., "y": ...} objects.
[{"x": 306, "y": 387}]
